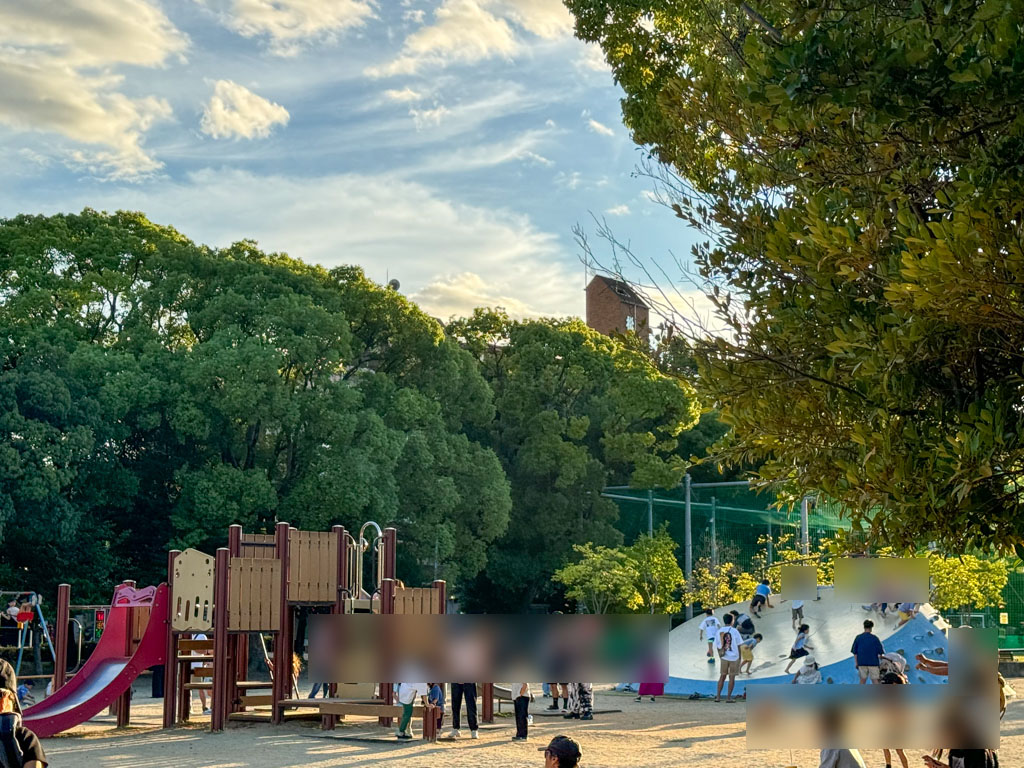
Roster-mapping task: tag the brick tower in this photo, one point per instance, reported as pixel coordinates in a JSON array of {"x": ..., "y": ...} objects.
[{"x": 614, "y": 307}]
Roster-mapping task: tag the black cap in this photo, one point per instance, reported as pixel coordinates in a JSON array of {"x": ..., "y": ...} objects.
[
  {"x": 563, "y": 746},
  {"x": 9, "y": 682}
]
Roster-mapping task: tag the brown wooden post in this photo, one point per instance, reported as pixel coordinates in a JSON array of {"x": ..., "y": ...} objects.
[
  {"x": 220, "y": 705},
  {"x": 184, "y": 695},
  {"x": 123, "y": 707},
  {"x": 441, "y": 593},
  {"x": 389, "y": 553},
  {"x": 238, "y": 644},
  {"x": 487, "y": 706},
  {"x": 171, "y": 663},
  {"x": 329, "y": 722},
  {"x": 60, "y": 640},
  {"x": 283, "y": 641},
  {"x": 387, "y": 606}
]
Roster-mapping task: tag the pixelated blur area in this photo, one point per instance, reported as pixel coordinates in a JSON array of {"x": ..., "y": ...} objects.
[
  {"x": 366, "y": 648},
  {"x": 798, "y": 582},
  {"x": 962, "y": 714},
  {"x": 890, "y": 579}
]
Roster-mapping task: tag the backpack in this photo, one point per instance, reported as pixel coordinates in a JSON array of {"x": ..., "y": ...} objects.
[{"x": 10, "y": 751}]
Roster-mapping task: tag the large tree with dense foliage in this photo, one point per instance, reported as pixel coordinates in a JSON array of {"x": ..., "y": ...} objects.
[
  {"x": 153, "y": 391},
  {"x": 856, "y": 170},
  {"x": 575, "y": 411}
]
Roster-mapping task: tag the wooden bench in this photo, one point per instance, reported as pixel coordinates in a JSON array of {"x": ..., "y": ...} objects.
[{"x": 369, "y": 708}]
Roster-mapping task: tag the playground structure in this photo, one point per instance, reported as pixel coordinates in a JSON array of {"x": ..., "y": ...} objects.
[
  {"x": 255, "y": 585},
  {"x": 132, "y": 642},
  {"x": 30, "y": 609}
]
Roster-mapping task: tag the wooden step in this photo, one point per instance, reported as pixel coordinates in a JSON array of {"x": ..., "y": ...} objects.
[
  {"x": 264, "y": 700},
  {"x": 198, "y": 686},
  {"x": 195, "y": 645},
  {"x": 203, "y": 657},
  {"x": 328, "y": 707}
]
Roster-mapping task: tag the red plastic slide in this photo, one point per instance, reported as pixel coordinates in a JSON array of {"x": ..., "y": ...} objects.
[{"x": 109, "y": 672}]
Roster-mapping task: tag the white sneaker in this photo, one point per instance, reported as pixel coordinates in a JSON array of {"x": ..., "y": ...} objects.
[
  {"x": 474, "y": 735},
  {"x": 529, "y": 719},
  {"x": 455, "y": 733}
]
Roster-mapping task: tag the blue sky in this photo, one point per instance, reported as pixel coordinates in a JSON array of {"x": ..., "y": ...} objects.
[{"x": 452, "y": 144}]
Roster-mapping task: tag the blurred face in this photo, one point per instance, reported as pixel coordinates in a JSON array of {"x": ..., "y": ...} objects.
[{"x": 550, "y": 761}]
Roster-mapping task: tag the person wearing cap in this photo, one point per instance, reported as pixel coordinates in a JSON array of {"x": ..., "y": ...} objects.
[
  {"x": 808, "y": 674},
  {"x": 18, "y": 745},
  {"x": 562, "y": 752}
]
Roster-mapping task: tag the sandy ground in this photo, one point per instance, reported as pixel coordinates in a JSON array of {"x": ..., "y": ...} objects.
[{"x": 670, "y": 732}]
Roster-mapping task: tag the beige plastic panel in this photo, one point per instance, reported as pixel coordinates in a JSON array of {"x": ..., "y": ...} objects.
[{"x": 192, "y": 592}]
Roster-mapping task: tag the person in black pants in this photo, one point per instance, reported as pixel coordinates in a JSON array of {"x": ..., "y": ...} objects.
[
  {"x": 458, "y": 691},
  {"x": 521, "y": 700}
]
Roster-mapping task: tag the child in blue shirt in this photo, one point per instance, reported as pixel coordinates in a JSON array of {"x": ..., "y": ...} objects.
[{"x": 436, "y": 697}]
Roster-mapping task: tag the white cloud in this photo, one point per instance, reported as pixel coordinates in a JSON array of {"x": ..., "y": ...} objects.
[
  {"x": 592, "y": 58},
  {"x": 425, "y": 118},
  {"x": 289, "y": 25},
  {"x": 618, "y": 210},
  {"x": 236, "y": 112},
  {"x": 523, "y": 148},
  {"x": 457, "y": 295},
  {"x": 415, "y": 16},
  {"x": 384, "y": 223},
  {"x": 58, "y": 66},
  {"x": 544, "y": 18},
  {"x": 405, "y": 94},
  {"x": 569, "y": 180},
  {"x": 600, "y": 128},
  {"x": 462, "y": 31}
]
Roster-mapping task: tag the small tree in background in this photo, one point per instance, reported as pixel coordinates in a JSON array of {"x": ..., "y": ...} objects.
[
  {"x": 602, "y": 578},
  {"x": 657, "y": 577},
  {"x": 960, "y": 583},
  {"x": 716, "y": 585}
]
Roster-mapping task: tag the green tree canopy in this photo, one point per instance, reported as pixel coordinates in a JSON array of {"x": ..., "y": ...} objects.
[
  {"x": 855, "y": 172},
  {"x": 575, "y": 411},
  {"x": 154, "y": 391}
]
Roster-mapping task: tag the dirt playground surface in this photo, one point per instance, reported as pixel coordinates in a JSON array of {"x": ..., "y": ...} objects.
[{"x": 670, "y": 732}]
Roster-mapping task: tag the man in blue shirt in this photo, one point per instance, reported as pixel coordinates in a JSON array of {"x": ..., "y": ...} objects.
[{"x": 867, "y": 650}]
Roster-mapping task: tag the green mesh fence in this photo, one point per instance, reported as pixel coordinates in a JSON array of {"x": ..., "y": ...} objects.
[
  {"x": 726, "y": 521},
  {"x": 729, "y": 520}
]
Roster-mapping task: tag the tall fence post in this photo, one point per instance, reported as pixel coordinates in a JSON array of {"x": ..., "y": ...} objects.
[
  {"x": 714, "y": 535},
  {"x": 688, "y": 544},
  {"x": 650, "y": 513},
  {"x": 804, "y": 540}
]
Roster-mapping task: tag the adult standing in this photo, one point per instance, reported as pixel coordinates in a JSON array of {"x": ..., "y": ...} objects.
[
  {"x": 460, "y": 690},
  {"x": 581, "y": 701},
  {"x": 650, "y": 689},
  {"x": 867, "y": 652},
  {"x": 727, "y": 641},
  {"x": 554, "y": 696}
]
